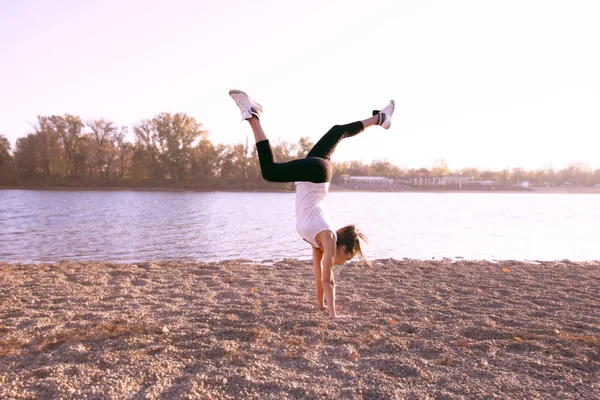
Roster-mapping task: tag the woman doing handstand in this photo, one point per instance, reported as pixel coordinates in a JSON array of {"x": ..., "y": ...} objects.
[{"x": 312, "y": 176}]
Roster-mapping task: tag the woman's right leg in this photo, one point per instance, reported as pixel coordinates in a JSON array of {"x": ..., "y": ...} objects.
[
  {"x": 259, "y": 134},
  {"x": 304, "y": 170}
]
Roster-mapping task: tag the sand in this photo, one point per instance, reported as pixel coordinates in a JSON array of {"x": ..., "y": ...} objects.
[{"x": 241, "y": 330}]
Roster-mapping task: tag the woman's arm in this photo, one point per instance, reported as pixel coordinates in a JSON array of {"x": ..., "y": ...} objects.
[
  {"x": 326, "y": 241},
  {"x": 317, "y": 258}
]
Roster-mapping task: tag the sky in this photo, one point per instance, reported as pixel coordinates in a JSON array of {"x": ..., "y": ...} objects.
[{"x": 481, "y": 84}]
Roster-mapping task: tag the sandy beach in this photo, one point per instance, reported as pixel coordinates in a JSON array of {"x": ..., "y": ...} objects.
[{"x": 438, "y": 329}]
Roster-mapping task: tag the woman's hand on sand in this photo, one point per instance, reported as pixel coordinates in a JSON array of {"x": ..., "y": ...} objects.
[{"x": 337, "y": 307}]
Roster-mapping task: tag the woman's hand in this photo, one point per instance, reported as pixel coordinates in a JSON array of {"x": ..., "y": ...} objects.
[
  {"x": 326, "y": 241},
  {"x": 337, "y": 307}
]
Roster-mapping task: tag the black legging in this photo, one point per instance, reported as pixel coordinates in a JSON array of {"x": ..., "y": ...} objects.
[{"x": 315, "y": 167}]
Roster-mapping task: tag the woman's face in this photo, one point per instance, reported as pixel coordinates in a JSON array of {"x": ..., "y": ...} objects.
[{"x": 341, "y": 256}]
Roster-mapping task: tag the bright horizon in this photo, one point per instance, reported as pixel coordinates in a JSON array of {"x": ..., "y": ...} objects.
[{"x": 489, "y": 85}]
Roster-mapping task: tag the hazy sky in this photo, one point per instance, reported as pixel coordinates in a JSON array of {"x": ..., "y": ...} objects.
[{"x": 480, "y": 83}]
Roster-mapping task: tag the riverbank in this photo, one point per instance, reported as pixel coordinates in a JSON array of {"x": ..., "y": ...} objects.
[
  {"x": 235, "y": 329},
  {"x": 333, "y": 188},
  {"x": 532, "y": 189}
]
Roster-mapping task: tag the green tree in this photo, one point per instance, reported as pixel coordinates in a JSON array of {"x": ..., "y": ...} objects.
[
  {"x": 140, "y": 163},
  {"x": 504, "y": 178},
  {"x": 254, "y": 171},
  {"x": 226, "y": 163},
  {"x": 27, "y": 158},
  {"x": 487, "y": 175},
  {"x": 204, "y": 159},
  {"x": 168, "y": 139},
  {"x": 147, "y": 157},
  {"x": 222, "y": 163},
  {"x": 518, "y": 175},
  {"x": 85, "y": 166},
  {"x": 284, "y": 151},
  {"x": 5, "y": 156},
  {"x": 125, "y": 152},
  {"x": 384, "y": 168},
  {"x": 358, "y": 168},
  {"x": 339, "y": 169},
  {"x": 239, "y": 157},
  {"x": 577, "y": 173},
  {"x": 473, "y": 172},
  {"x": 545, "y": 174}
]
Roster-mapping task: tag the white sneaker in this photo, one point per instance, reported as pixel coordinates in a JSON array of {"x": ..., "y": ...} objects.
[
  {"x": 248, "y": 107},
  {"x": 385, "y": 113}
]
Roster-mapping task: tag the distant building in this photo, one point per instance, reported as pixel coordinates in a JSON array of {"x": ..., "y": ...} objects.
[
  {"x": 475, "y": 184},
  {"x": 367, "y": 181},
  {"x": 439, "y": 180},
  {"x": 454, "y": 179},
  {"x": 444, "y": 182},
  {"x": 405, "y": 181}
]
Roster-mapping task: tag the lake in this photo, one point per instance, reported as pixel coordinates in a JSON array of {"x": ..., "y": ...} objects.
[{"x": 129, "y": 226}]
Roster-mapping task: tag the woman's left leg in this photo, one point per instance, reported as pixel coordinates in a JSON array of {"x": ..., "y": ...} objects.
[{"x": 325, "y": 147}]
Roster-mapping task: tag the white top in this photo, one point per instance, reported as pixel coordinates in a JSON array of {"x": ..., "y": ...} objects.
[{"x": 311, "y": 217}]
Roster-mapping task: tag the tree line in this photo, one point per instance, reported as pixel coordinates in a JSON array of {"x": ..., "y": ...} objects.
[{"x": 174, "y": 151}]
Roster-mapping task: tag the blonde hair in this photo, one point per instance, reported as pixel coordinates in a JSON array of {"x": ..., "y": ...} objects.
[{"x": 350, "y": 237}]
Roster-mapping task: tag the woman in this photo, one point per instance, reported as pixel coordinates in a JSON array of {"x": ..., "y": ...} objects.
[{"x": 312, "y": 176}]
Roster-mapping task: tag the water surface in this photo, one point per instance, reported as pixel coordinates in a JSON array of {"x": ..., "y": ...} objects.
[{"x": 126, "y": 226}]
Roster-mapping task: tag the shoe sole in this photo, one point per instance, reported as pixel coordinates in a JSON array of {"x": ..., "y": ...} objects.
[
  {"x": 393, "y": 103},
  {"x": 232, "y": 92},
  {"x": 240, "y": 92},
  {"x": 375, "y": 112}
]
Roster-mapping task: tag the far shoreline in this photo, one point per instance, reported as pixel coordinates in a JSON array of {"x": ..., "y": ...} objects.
[{"x": 333, "y": 188}]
